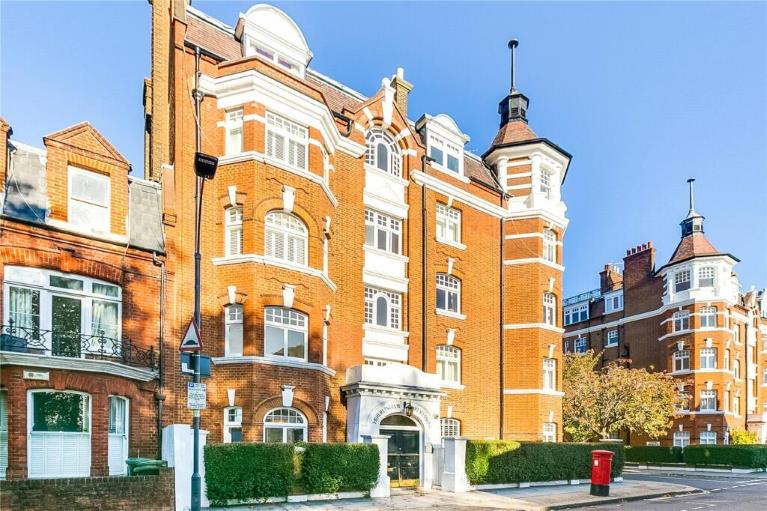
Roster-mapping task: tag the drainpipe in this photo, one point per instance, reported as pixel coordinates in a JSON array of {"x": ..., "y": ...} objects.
[
  {"x": 501, "y": 350},
  {"x": 160, "y": 394},
  {"x": 424, "y": 240}
]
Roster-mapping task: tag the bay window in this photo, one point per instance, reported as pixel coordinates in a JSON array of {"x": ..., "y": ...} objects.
[
  {"x": 708, "y": 358},
  {"x": 286, "y": 238},
  {"x": 706, "y": 276},
  {"x": 550, "y": 245},
  {"x": 708, "y": 317},
  {"x": 233, "y": 231},
  {"x": 233, "y": 333},
  {"x": 286, "y": 141},
  {"x": 285, "y": 333},
  {"x": 681, "y": 281},
  {"x": 681, "y": 321},
  {"x": 285, "y": 425},
  {"x": 708, "y": 400}
]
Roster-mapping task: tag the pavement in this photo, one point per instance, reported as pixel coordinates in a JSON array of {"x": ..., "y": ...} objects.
[{"x": 528, "y": 499}]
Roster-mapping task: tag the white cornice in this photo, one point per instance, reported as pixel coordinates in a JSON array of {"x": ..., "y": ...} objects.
[
  {"x": 297, "y": 364},
  {"x": 77, "y": 364},
  {"x": 423, "y": 179},
  {"x": 627, "y": 319},
  {"x": 534, "y": 260}
]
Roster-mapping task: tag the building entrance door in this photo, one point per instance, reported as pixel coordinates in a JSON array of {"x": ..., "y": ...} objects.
[{"x": 404, "y": 462}]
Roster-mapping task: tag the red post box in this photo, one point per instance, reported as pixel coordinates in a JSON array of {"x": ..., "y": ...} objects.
[{"x": 601, "y": 465}]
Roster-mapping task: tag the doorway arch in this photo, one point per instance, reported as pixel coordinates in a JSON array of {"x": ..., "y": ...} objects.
[{"x": 405, "y": 448}]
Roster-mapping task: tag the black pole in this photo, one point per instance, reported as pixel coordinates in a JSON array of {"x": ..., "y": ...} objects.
[
  {"x": 512, "y": 46},
  {"x": 195, "y": 357}
]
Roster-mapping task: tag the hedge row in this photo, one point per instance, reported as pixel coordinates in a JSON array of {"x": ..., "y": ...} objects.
[
  {"x": 748, "y": 456},
  {"x": 497, "y": 462},
  {"x": 248, "y": 471}
]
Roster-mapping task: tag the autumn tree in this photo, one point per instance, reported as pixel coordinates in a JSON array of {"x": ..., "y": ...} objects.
[{"x": 600, "y": 403}]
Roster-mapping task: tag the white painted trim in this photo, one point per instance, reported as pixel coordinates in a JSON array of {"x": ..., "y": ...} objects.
[
  {"x": 519, "y": 174},
  {"x": 450, "y": 314},
  {"x": 423, "y": 179},
  {"x": 534, "y": 260},
  {"x": 524, "y": 235},
  {"x": 544, "y": 392},
  {"x": 519, "y": 187},
  {"x": 77, "y": 364},
  {"x": 629, "y": 319},
  {"x": 256, "y": 258},
  {"x": 451, "y": 385},
  {"x": 74, "y": 229},
  {"x": 261, "y": 157},
  {"x": 298, "y": 364},
  {"x": 523, "y": 326},
  {"x": 459, "y": 246}
]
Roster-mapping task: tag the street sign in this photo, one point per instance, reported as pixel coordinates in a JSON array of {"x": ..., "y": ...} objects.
[
  {"x": 196, "y": 396},
  {"x": 192, "y": 340}
]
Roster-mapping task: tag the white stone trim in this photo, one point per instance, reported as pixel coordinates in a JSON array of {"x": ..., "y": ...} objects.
[
  {"x": 423, "y": 179},
  {"x": 628, "y": 319},
  {"x": 257, "y": 258},
  {"x": 298, "y": 364},
  {"x": 459, "y": 246},
  {"x": 524, "y": 235},
  {"x": 523, "y": 326},
  {"x": 544, "y": 392},
  {"x": 77, "y": 364},
  {"x": 534, "y": 260},
  {"x": 449, "y": 314}
]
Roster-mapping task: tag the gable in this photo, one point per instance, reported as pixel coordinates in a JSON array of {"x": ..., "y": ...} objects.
[{"x": 85, "y": 137}]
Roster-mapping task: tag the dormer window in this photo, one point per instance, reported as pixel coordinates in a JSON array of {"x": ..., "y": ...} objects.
[
  {"x": 88, "y": 200},
  {"x": 445, "y": 154},
  {"x": 382, "y": 153}
]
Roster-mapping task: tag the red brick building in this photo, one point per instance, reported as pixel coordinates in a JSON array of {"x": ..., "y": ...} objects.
[
  {"x": 689, "y": 318},
  {"x": 82, "y": 272},
  {"x": 351, "y": 285}
]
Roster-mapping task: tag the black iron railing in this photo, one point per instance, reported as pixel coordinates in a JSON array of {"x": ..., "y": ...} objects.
[{"x": 64, "y": 343}]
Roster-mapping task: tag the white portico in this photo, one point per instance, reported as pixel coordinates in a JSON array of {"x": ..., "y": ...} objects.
[{"x": 401, "y": 401}]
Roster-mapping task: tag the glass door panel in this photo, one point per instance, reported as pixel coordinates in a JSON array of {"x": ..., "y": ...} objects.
[{"x": 66, "y": 326}]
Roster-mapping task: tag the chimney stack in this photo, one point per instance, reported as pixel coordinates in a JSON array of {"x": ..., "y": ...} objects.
[{"x": 401, "y": 89}]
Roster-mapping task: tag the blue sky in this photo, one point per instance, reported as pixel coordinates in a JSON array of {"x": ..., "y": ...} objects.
[{"x": 644, "y": 95}]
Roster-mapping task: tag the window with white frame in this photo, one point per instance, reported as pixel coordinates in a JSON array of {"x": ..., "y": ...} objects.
[
  {"x": 581, "y": 345},
  {"x": 445, "y": 154},
  {"x": 233, "y": 143},
  {"x": 382, "y": 153},
  {"x": 545, "y": 183},
  {"x": 66, "y": 315},
  {"x": 708, "y": 358},
  {"x": 681, "y": 360},
  {"x": 681, "y": 321},
  {"x": 613, "y": 302},
  {"x": 550, "y": 245},
  {"x": 448, "y": 224},
  {"x": 612, "y": 338},
  {"x": 233, "y": 230},
  {"x": 708, "y": 438},
  {"x": 287, "y": 141},
  {"x": 726, "y": 406},
  {"x": 448, "y": 293},
  {"x": 708, "y": 400},
  {"x": 681, "y": 281},
  {"x": 89, "y": 200},
  {"x": 382, "y": 308},
  {"x": 285, "y": 425},
  {"x": 549, "y": 309},
  {"x": 449, "y": 363},
  {"x": 736, "y": 333},
  {"x": 232, "y": 425},
  {"x": 706, "y": 276},
  {"x": 682, "y": 402},
  {"x": 286, "y": 238},
  {"x": 549, "y": 432},
  {"x": 549, "y": 374},
  {"x": 576, "y": 313},
  {"x": 285, "y": 332},
  {"x": 681, "y": 438},
  {"x": 736, "y": 405},
  {"x": 736, "y": 368},
  {"x": 727, "y": 360},
  {"x": 382, "y": 231},
  {"x": 233, "y": 330},
  {"x": 707, "y": 317},
  {"x": 449, "y": 428}
]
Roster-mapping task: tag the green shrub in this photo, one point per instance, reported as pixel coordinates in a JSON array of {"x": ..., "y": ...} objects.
[
  {"x": 748, "y": 456},
  {"x": 654, "y": 454},
  {"x": 742, "y": 437},
  {"x": 496, "y": 462},
  {"x": 329, "y": 468},
  {"x": 245, "y": 471}
]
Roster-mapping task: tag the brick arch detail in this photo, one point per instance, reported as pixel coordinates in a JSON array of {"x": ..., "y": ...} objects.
[
  {"x": 65, "y": 261},
  {"x": 270, "y": 403},
  {"x": 457, "y": 272},
  {"x": 404, "y": 143}
]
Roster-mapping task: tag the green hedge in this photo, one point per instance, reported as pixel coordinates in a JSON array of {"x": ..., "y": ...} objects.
[
  {"x": 748, "y": 456},
  {"x": 248, "y": 471},
  {"x": 654, "y": 454},
  {"x": 497, "y": 462},
  {"x": 329, "y": 468}
]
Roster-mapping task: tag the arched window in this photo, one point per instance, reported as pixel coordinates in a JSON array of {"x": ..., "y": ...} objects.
[
  {"x": 549, "y": 309},
  {"x": 233, "y": 223},
  {"x": 382, "y": 153},
  {"x": 550, "y": 245},
  {"x": 449, "y": 428},
  {"x": 448, "y": 293},
  {"x": 449, "y": 363},
  {"x": 382, "y": 308},
  {"x": 284, "y": 425},
  {"x": 285, "y": 238},
  {"x": 285, "y": 333}
]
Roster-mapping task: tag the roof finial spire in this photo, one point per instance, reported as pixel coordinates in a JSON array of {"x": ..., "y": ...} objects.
[
  {"x": 692, "y": 194},
  {"x": 513, "y": 47}
]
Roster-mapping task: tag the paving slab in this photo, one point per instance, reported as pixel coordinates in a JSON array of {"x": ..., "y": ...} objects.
[{"x": 522, "y": 499}]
